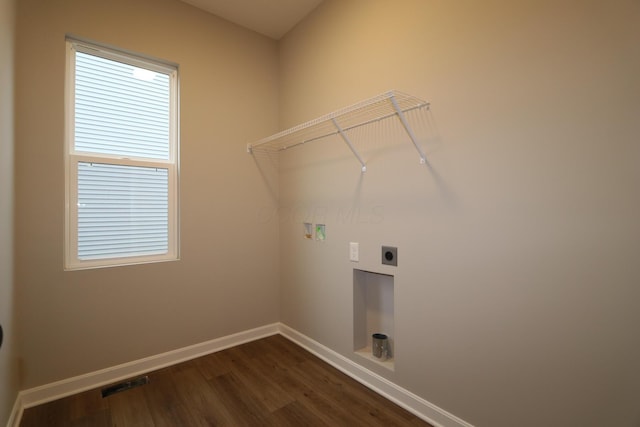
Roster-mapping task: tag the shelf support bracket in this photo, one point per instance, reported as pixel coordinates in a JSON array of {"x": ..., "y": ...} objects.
[
  {"x": 405, "y": 124},
  {"x": 348, "y": 141}
]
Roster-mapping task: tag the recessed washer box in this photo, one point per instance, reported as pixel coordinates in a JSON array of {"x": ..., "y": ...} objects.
[{"x": 390, "y": 255}]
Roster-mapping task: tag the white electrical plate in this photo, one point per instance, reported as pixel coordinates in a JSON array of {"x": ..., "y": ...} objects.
[{"x": 354, "y": 251}]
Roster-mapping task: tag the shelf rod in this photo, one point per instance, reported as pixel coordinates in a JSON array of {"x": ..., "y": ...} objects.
[
  {"x": 346, "y": 139},
  {"x": 403, "y": 119}
]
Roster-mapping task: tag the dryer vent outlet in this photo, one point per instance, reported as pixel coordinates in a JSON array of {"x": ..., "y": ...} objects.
[{"x": 390, "y": 255}]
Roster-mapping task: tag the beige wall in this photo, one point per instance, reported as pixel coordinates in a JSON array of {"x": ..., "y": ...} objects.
[
  {"x": 8, "y": 353},
  {"x": 227, "y": 280},
  {"x": 516, "y": 294}
]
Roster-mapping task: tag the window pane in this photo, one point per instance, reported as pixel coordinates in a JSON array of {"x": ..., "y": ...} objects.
[
  {"x": 122, "y": 211},
  {"x": 120, "y": 109}
]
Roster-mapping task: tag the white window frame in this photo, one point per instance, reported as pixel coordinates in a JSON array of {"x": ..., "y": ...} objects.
[{"x": 73, "y": 157}]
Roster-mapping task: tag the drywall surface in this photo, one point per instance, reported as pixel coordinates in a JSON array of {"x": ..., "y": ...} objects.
[
  {"x": 8, "y": 353},
  {"x": 516, "y": 291},
  {"x": 226, "y": 281}
]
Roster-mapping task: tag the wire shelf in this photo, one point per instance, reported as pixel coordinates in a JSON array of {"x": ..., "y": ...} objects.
[{"x": 380, "y": 107}]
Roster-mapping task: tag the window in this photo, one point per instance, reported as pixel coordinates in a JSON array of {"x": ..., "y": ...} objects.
[{"x": 121, "y": 158}]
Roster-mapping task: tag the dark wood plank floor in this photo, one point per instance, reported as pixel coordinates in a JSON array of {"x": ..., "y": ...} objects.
[{"x": 269, "y": 382}]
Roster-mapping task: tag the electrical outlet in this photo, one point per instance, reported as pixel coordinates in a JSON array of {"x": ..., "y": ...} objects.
[
  {"x": 390, "y": 255},
  {"x": 354, "y": 251}
]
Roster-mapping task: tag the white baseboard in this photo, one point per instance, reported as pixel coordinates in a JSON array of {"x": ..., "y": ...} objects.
[
  {"x": 423, "y": 409},
  {"x": 49, "y": 392},
  {"x": 404, "y": 398},
  {"x": 16, "y": 413}
]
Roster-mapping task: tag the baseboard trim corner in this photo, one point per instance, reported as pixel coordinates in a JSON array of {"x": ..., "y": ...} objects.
[
  {"x": 16, "y": 412},
  {"x": 78, "y": 384},
  {"x": 413, "y": 403}
]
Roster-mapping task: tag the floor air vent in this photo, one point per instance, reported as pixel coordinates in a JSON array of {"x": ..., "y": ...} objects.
[{"x": 117, "y": 388}]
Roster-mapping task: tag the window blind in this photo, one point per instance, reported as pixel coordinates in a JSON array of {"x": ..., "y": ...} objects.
[
  {"x": 122, "y": 211},
  {"x": 120, "y": 109}
]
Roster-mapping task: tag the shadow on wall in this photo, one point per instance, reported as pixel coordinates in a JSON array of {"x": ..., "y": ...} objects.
[
  {"x": 267, "y": 164},
  {"x": 376, "y": 141}
]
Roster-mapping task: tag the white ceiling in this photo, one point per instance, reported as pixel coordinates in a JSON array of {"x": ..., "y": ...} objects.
[{"x": 273, "y": 18}]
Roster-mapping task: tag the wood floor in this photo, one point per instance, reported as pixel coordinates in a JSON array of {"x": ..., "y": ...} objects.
[{"x": 269, "y": 382}]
